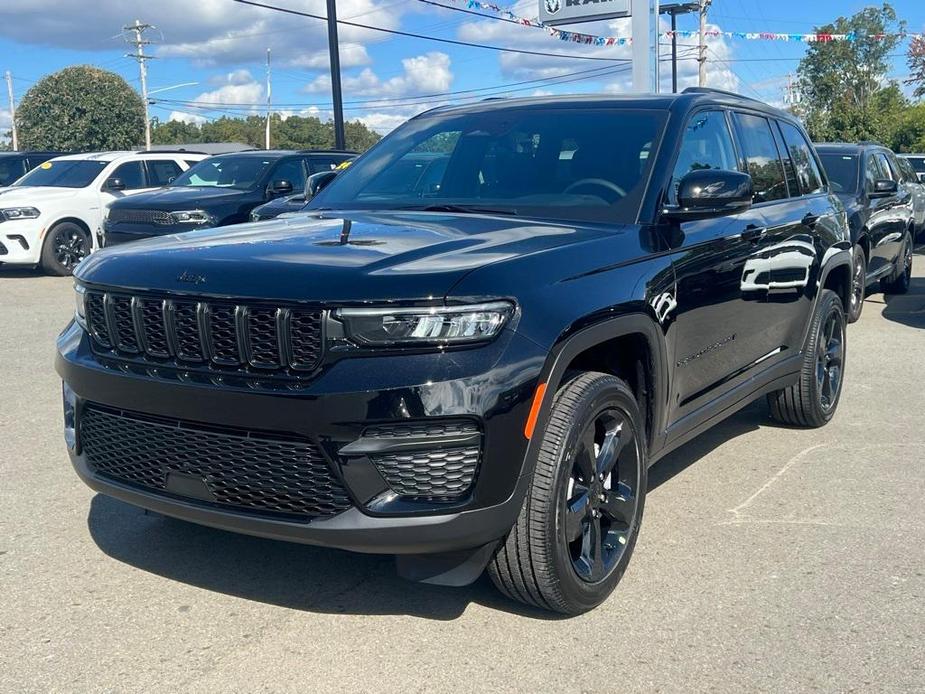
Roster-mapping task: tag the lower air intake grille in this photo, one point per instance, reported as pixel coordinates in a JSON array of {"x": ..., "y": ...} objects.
[
  {"x": 239, "y": 469},
  {"x": 438, "y": 474}
]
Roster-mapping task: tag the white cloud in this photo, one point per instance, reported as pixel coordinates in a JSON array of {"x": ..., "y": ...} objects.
[
  {"x": 238, "y": 88},
  {"x": 210, "y": 32},
  {"x": 423, "y": 74},
  {"x": 184, "y": 117}
]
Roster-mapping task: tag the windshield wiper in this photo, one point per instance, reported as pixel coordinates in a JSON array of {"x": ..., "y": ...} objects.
[{"x": 464, "y": 209}]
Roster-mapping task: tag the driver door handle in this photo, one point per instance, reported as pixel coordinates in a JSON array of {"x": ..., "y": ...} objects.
[{"x": 753, "y": 233}]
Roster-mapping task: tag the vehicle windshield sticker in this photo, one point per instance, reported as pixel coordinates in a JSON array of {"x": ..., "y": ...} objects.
[{"x": 46, "y": 165}]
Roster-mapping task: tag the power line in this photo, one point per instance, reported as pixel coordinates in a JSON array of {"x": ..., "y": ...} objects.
[{"x": 412, "y": 35}]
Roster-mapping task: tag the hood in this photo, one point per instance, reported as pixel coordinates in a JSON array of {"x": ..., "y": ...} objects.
[
  {"x": 180, "y": 197},
  {"x": 33, "y": 195},
  {"x": 343, "y": 258}
]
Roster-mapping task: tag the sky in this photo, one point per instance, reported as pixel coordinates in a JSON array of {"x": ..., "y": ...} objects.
[{"x": 216, "y": 49}]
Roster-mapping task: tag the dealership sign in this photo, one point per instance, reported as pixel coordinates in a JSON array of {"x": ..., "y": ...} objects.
[{"x": 554, "y": 12}]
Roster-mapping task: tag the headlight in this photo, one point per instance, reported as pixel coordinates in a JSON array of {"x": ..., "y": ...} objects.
[
  {"x": 438, "y": 325},
  {"x": 80, "y": 306},
  {"x": 192, "y": 217},
  {"x": 12, "y": 213},
  {"x": 255, "y": 217}
]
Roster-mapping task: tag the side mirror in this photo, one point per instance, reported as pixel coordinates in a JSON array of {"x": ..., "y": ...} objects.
[
  {"x": 115, "y": 184},
  {"x": 884, "y": 188},
  {"x": 709, "y": 193},
  {"x": 315, "y": 183},
  {"x": 280, "y": 187}
]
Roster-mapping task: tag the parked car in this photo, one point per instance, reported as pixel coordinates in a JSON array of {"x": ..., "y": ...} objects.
[
  {"x": 480, "y": 372},
  {"x": 918, "y": 164},
  {"x": 219, "y": 192},
  {"x": 866, "y": 176},
  {"x": 293, "y": 203},
  {"x": 916, "y": 187},
  {"x": 50, "y": 215},
  {"x": 14, "y": 165}
]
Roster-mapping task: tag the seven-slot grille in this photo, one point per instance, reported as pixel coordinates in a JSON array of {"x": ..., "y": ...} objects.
[
  {"x": 238, "y": 468},
  {"x": 216, "y": 334},
  {"x": 120, "y": 216}
]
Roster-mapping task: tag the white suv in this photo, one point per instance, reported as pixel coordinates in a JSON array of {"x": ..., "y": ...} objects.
[{"x": 50, "y": 216}]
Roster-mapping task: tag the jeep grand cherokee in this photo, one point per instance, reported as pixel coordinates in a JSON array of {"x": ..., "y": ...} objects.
[{"x": 477, "y": 372}]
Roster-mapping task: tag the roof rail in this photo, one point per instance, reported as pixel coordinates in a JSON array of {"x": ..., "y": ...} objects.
[
  {"x": 873, "y": 143},
  {"x": 325, "y": 150},
  {"x": 711, "y": 90}
]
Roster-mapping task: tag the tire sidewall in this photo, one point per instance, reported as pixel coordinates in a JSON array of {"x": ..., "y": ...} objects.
[
  {"x": 828, "y": 303},
  {"x": 577, "y": 592},
  {"x": 854, "y": 312}
]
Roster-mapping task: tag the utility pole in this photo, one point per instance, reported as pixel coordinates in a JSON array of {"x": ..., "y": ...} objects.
[
  {"x": 9, "y": 90},
  {"x": 267, "y": 144},
  {"x": 138, "y": 29},
  {"x": 340, "y": 140},
  {"x": 702, "y": 58}
]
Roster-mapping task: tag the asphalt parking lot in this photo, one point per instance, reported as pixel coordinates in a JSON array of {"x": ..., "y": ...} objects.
[{"x": 770, "y": 560}]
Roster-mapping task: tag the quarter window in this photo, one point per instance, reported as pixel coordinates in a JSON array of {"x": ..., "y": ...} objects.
[
  {"x": 761, "y": 157},
  {"x": 801, "y": 155},
  {"x": 706, "y": 144}
]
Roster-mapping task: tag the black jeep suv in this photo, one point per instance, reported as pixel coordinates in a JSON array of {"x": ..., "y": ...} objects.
[
  {"x": 216, "y": 192},
  {"x": 882, "y": 206},
  {"x": 478, "y": 372}
]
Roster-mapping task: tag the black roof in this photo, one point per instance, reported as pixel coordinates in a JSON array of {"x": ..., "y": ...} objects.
[
  {"x": 278, "y": 153},
  {"x": 24, "y": 152}
]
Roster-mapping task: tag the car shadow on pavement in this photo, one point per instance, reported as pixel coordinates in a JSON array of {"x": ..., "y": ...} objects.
[
  {"x": 907, "y": 309},
  {"x": 317, "y": 579},
  {"x": 19, "y": 271}
]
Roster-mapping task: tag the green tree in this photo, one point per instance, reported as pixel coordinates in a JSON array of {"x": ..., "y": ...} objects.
[
  {"x": 841, "y": 80},
  {"x": 175, "y": 132},
  {"x": 81, "y": 108}
]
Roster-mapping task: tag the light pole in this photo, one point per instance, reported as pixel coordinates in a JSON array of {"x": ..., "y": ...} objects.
[{"x": 673, "y": 10}]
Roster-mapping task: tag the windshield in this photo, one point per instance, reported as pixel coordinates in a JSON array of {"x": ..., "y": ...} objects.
[
  {"x": 225, "y": 172},
  {"x": 64, "y": 173},
  {"x": 842, "y": 170},
  {"x": 575, "y": 164}
]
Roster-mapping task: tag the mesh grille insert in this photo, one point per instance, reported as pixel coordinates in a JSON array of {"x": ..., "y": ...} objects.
[
  {"x": 436, "y": 474},
  {"x": 240, "y": 468}
]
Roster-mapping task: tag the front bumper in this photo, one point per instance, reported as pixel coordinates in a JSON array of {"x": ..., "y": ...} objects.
[
  {"x": 492, "y": 385},
  {"x": 22, "y": 241}
]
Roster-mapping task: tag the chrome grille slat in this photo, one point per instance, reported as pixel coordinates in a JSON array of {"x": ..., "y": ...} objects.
[{"x": 219, "y": 335}]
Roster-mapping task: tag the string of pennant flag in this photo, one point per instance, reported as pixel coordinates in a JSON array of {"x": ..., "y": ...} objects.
[{"x": 592, "y": 40}]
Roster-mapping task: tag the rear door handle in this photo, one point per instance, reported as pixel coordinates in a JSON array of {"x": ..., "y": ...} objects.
[{"x": 753, "y": 233}]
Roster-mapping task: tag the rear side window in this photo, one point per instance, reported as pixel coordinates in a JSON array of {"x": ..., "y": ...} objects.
[
  {"x": 761, "y": 157},
  {"x": 162, "y": 171},
  {"x": 804, "y": 162},
  {"x": 706, "y": 144},
  {"x": 318, "y": 164},
  {"x": 132, "y": 175},
  {"x": 907, "y": 171}
]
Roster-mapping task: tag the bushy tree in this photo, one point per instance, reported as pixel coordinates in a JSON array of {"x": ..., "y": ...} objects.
[
  {"x": 841, "y": 80},
  {"x": 81, "y": 108},
  {"x": 916, "y": 62}
]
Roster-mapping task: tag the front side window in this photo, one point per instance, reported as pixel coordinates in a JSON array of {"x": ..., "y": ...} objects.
[
  {"x": 842, "y": 170},
  {"x": 804, "y": 162},
  {"x": 571, "y": 164},
  {"x": 240, "y": 172},
  {"x": 292, "y": 170},
  {"x": 886, "y": 167},
  {"x": 874, "y": 172},
  {"x": 132, "y": 175},
  {"x": 761, "y": 157},
  {"x": 706, "y": 144},
  {"x": 918, "y": 164},
  {"x": 65, "y": 173}
]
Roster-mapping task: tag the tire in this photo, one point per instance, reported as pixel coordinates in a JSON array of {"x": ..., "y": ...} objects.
[
  {"x": 812, "y": 401},
  {"x": 901, "y": 279},
  {"x": 537, "y": 564},
  {"x": 66, "y": 244},
  {"x": 858, "y": 285}
]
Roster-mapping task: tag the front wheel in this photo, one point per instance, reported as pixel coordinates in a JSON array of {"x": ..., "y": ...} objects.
[
  {"x": 813, "y": 399},
  {"x": 578, "y": 525},
  {"x": 901, "y": 279},
  {"x": 65, "y": 246}
]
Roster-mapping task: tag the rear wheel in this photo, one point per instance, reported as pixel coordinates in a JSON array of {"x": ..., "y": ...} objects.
[
  {"x": 812, "y": 401},
  {"x": 901, "y": 279},
  {"x": 577, "y": 528},
  {"x": 65, "y": 246},
  {"x": 858, "y": 285}
]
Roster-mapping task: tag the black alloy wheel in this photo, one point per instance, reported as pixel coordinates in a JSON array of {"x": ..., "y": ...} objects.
[
  {"x": 600, "y": 497},
  {"x": 830, "y": 356},
  {"x": 858, "y": 285},
  {"x": 66, "y": 245}
]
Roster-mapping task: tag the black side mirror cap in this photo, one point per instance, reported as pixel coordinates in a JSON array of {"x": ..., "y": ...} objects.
[
  {"x": 317, "y": 182},
  {"x": 706, "y": 193},
  {"x": 281, "y": 187},
  {"x": 884, "y": 187}
]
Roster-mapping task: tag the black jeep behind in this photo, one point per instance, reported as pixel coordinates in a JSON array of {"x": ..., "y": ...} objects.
[{"x": 476, "y": 372}]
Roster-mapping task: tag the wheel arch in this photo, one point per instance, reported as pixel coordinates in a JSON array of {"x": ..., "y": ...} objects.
[
  {"x": 836, "y": 275},
  {"x": 72, "y": 220}
]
